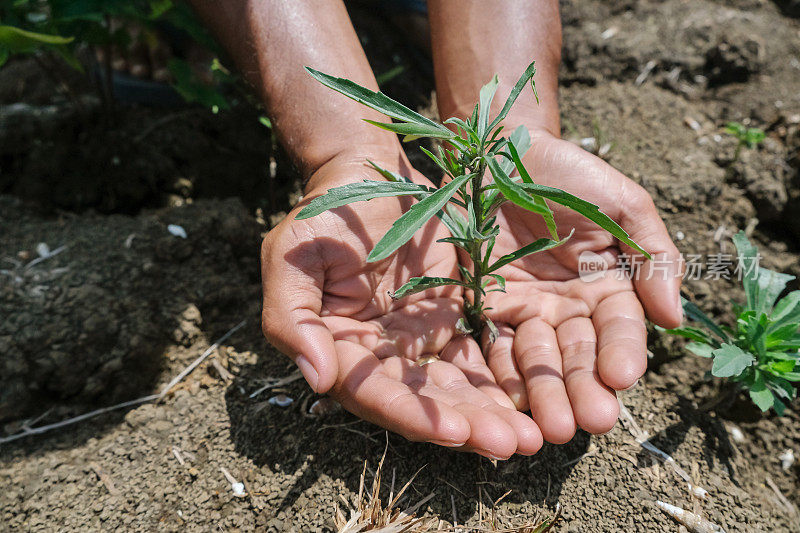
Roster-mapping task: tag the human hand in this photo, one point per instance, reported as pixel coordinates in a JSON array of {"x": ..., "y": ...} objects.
[
  {"x": 330, "y": 311},
  {"x": 566, "y": 344}
]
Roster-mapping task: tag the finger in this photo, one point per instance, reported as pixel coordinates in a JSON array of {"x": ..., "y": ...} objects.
[
  {"x": 500, "y": 358},
  {"x": 292, "y": 291},
  {"x": 371, "y": 390},
  {"x": 490, "y": 435},
  {"x": 658, "y": 280},
  {"x": 539, "y": 360},
  {"x": 463, "y": 353},
  {"x": 621, "y": 340},
  {"x": 594, "y": 405}
]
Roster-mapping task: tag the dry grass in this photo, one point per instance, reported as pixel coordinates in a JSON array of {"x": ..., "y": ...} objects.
[{"x": 367, "y": 514}]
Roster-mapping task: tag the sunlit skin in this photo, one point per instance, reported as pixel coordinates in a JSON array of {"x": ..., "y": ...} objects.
[{"x": 565, "y": 346}]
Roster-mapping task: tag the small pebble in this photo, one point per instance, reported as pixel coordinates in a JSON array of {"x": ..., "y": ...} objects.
[
  {"x": 787, "y": 459},
  {"x": 177, "y": 231},
  {"x": 281, "y": 400}
]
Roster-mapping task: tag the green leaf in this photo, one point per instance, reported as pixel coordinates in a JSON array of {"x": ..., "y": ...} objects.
[
  {"x": 404, "y": 227},
  {"x": 587, "y": 209},
  {"x": 700, "y": 349},
  {"x": 512, "y": 97},
  {"x": 539, "y": 245},
  {"x": 521, "y": 139},
  {"x": 777, "y": 336},
  {"x": 358, "y": 192},
  {"x": 454, "y": 221},
  {"x": 486, "y": 97},
  {"x": 423, "y": 283},
  {"x": 761, "y": 395},
  {"x": 787, "y": 311},
  {"x": 411, "y": 131},
  {"x": 377, "y": 101},
  {"x": 730, "y": 360},
  {"x": 782, "y": 367},
  {"x": 501, "y": 281},
  {"x": 757, "y": 333},
  {"x": 791, "y": 376},
  {"x": 761, "y": 285},
  {"x": 692, "y": 333},
  {"x": 16, "y": 40},
  {"x": 523, "y": 172},
  {"x": 694, "y": 313},
  {"x": 511, "y": 190}
]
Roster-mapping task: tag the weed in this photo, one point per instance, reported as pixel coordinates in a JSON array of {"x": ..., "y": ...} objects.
[
  {"x": 749, "y": 137},
  {"x": 64, "y": 28},
  {"x": 760, "y": 354},
  {"x": 466, "y": 203}
]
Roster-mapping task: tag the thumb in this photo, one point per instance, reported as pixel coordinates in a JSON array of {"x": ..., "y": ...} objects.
[
  {"x": 292, "y": 281},
  {"x": 657, "y": 280}
]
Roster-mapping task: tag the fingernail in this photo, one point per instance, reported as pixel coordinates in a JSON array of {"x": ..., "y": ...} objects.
[
  {"x": 489, "y": 455},
  {"x": 308, "y": 371},
  {"x": 447, "y": 443}
]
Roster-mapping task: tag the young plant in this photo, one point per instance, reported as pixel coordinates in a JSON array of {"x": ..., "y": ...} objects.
[
  {"x": 468, "y": 201},
  {"x": 749, "y": 137},
  {"x": 760, "y": 354}
]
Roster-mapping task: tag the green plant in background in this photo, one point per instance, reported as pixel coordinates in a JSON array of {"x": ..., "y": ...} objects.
[
  {"x": 65, "y": 28},
  {"x": 760, "y": 354},
  {"x": 749, "y": 137},
  {"x": 467, "y": 203}
]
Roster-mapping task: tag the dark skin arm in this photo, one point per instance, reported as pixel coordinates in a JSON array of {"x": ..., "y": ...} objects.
[
  {"x": 565, "y": 345},
  {"x": 324, "y": 306}
]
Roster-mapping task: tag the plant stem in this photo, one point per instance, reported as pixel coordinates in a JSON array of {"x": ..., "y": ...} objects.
[{"x": 474, "y": 312}]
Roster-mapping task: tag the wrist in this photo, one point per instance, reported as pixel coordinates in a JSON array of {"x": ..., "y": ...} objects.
[{"x": 352, "y": 165}]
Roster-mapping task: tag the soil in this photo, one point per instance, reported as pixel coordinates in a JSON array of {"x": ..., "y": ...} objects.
[{"x": 128, "y": 304}]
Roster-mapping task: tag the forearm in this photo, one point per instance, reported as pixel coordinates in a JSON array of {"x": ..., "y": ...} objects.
[
  {"x": 271, "y": 41},
  {"x": 473, "y": 39}
]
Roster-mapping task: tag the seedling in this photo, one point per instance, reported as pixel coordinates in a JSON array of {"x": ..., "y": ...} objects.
[
  {"x": 468, "y": 201},
  {"x": 760, "y": 354},
  {"x": 749, "y": 137}
]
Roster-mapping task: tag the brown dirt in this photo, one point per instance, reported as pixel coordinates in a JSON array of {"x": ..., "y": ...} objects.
[{"x": 103, "y": 322}]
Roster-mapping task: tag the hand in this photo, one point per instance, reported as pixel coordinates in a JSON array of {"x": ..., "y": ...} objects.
[
  {"x": 566, "y": 344},
  {"x": 331, "y": 312}
]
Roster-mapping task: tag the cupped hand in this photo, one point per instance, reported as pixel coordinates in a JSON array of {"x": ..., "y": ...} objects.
[
  {"x": 567, "y": 343},
  {"x": 399, "y": 364}
]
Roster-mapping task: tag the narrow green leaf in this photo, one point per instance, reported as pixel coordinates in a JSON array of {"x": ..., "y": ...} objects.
[
  {"x": 511, "y": 190},
  {"x": 526, "y": 76},
  {"x": 791, "y": 376},
  {"x": 501, "y": 281},
  {"x": 376, "y": 100},
  {"x": 16, "y": 40},
  {"x": 730, "y": 360},
  {"x": 439, "y": 161},
  {"x": 358, "y": 192},
  {"x": 539, "y": 245},
  {"x": 692, "y": 333},
  {"x": 423, "y": 283},
  {"x": 526, "y": 178},
  {"x": 412, "y": 131},
  {"x": 486, "y": 97},
  {"x": 587, "y": 209},
  {"x": 700, "y": 349},
  {"x": 693, "y": 312},
  {"x": 471, "y": 133},
  {"x": 404, "y": 227}
]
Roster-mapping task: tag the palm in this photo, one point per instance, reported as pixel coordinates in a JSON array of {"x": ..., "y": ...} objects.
[
  {"x": 378, "y": 342},
  {"x": 566, "y": 343}
]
